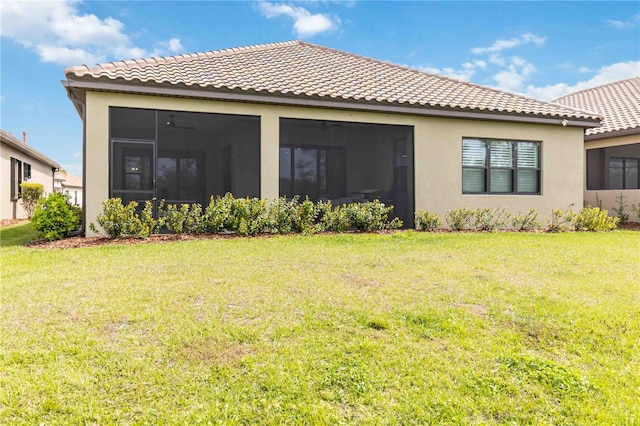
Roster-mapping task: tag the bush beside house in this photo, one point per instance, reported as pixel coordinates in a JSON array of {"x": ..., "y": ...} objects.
[
  {"x": 30, "y": 195},
  {"x": 253, "y": 216},
  {"x": 55, "y": 218}
]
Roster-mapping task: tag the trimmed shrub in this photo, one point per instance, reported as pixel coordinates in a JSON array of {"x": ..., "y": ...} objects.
[
  {"x": 458, "y": 219},
  {"x": 248, "y": 216},
  {"x": 54, "y": 218},
  {"x": 217, "y": 213},
  {"x": 188, "y": 218},
  {"x": 337, "y": 219},
  {"x": 635, "y": 209},
  {"x": 282, "y": 215},
  {"x": 30, "y": 193},
  {"x": 486, "y": 219},
  {"x": 561, "y": 221},
  {"x": 324, "y": 211},
  {"x": 371, "y": 216},
  {"x": 118, "y": 220},
  {"x": 595, "y": 219},
  {"x": 194, "y": 220},
  {"x": 306, "y": 217},
  {"x": 148, "y": 224},
  {"x": 174, "y": 217},
  {"x": 526, "y": 222},
  {"x": 426, "y": 221}
]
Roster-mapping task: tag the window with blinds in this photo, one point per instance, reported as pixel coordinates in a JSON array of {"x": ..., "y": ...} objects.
[{"x": 495, "y": 166}]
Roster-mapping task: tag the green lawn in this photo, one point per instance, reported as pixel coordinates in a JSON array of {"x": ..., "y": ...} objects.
[{"x": 402, "y": 328}]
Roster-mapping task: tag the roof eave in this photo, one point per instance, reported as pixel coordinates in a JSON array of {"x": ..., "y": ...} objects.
[
  {"x": 27, "y": 150},
  {"x": 76, "y": 86},
  {"x": 74, "y": 93},
  {"x": 613, "y": 134}
]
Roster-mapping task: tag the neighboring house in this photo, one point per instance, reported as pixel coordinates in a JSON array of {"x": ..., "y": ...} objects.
[
  {"x": 69, "y": 185},
  {"x": 21, "y": 163},
  {"x": 612, "y": 151},
  {"x": 295, "y": 118}
]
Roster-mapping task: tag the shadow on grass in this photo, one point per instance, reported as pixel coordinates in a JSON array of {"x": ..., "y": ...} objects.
[{"x": 17, "y": 235}]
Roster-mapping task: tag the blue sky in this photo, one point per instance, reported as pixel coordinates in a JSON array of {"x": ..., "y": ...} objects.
[{"x": 540, "y": 49}]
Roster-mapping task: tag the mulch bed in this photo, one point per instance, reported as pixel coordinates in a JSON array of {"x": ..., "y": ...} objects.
[
  {"x": 631, "y": 226},
  {"x": 7, "y": 222},
  {"x": 79, "y": 242}
]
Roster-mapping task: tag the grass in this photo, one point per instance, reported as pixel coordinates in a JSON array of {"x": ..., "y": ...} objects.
[{"x": 402, "y": 328}]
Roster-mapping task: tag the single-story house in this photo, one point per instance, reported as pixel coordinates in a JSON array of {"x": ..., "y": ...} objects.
[
  {"x": 612, "y": 151},
  {"x": 21, "y": 163},
  {"x": 296, "y": 118},
  {"x": 70, "y": 185}
]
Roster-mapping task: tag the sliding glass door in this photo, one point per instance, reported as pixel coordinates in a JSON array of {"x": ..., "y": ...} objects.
[{"x": 314, "y": 172}]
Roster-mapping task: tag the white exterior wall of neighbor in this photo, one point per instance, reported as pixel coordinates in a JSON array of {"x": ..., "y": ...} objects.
[
  {"x": 608, "y": 198},
  {"x": 40, "y": 173},
  {"x": 437, "y": 151},
  {"x": 74, "y": 193}
]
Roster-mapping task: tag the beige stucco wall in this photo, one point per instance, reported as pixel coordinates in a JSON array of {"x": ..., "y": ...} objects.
[
  {"x": 40, "y": 173},
  {"x": 608, "y": 199},
  {"x": 437, "y": 151}
]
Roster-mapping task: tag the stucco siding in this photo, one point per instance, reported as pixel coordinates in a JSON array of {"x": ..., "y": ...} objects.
[
  {"x": 437, "y": 151},
  {"x": 40, "y": 173}
]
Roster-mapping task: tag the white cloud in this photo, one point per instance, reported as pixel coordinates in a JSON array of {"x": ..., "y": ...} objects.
[
  {"x": 607, "y": 74},
  {"x": 615, "y": 24},
  {"x": 512, "y": 79},
  {"x": 59, "y": 33},
  {"x": 305, "y": 23},
  {"x": 175, "y": 46},
  {"x": 514, "y": 74},
  {"x": 497, "y": 59},
  {"x": 66, "y": 56},
  {"x": 500, "y": 45},
  {"x": 480, "y": 64},
  {"x": 619, "y": 25}
]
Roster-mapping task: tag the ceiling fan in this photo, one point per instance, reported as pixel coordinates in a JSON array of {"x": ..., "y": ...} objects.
[{"x": 171, "y": 124}]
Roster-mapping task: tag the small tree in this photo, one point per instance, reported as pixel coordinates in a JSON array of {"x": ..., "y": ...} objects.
[
  {"x": 620, "y": 210},
  {"x": 30, "y": 194}
]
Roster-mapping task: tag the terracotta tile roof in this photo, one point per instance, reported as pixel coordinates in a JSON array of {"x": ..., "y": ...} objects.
[
  {"x": 303, "y": 70},
  {"x": 68, "y": 179},
  {"x": 619, "y": 104}
]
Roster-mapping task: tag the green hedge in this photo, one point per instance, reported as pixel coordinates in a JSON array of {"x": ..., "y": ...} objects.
[
  {"x": 253, "y": 216},
  {"x": 243, "y": 216}
]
